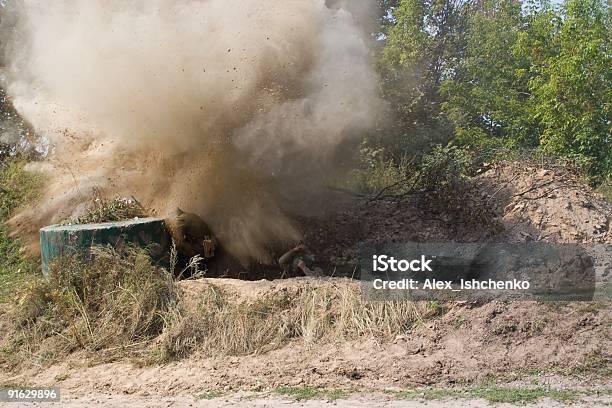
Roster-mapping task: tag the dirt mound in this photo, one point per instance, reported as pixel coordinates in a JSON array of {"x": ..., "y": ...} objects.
[
  {"x": 466, "y": 343},
  {"x": 539, "y": 203},
  {"x": 509, "y": 202},
  {"x": 455, "y": 343}
]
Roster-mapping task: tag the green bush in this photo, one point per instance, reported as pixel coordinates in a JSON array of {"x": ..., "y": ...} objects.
[
  {"x": 376, "y": 172},
  {"x": 444, "y": 169},
  {"x": 500, "y": 73},
  {"x": 17, "y": 187},
  {"x": 441, "y": 170}
]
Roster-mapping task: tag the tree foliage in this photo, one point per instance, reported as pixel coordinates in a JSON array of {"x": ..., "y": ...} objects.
[
  {"x": 486, "y": 98},
  {"x": 572, "y": 93},
  {"x": 422, "y": 46},
  {"x": 502, "y": 72}
]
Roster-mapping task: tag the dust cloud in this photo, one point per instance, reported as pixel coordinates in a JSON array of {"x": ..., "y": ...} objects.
[{"x": 232, "y": 109}]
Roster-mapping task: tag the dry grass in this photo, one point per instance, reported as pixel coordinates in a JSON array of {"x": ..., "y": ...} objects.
[
  {"x": 121, "y": 306},
  {"x": 103, "y": 210},
  {"x": 111, "y": 305},
  {"x": 222, "y": 324}
]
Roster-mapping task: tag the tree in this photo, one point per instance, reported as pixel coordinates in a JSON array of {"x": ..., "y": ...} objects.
[
  {"x": 488, "y": 99},
  {"x": 573, "y": 90},
  {"x": 423, "y": 45}
]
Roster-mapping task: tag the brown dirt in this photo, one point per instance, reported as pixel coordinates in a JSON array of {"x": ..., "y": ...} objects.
[
  {"x": 267, "y": 401},
  {"x": 467, "y": 344},
  {"x": 546, "y": 204},
  {"x": 510, "y": 202},
  {"x": 507, "y": 203}
]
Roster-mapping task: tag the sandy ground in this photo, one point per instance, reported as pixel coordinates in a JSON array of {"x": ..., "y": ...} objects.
[
  {"x": 521, "y": 344},
  {"x": 357, "y": 401},
  {"x": 465, "y": 345}
]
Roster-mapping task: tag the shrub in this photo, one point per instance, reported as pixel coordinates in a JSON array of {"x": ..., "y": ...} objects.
[
  {"x": 376, "y": 172},
  {"x": 17, "y": 187},
  {"x": 110, "y": 304},
  {"x": 444, "y": 169}
]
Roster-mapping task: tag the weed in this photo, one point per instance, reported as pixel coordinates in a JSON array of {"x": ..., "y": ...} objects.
[
  {"x": 103, "y": 210},
  {"x": 444, "y": 170},
  {"x": 591, "y": 307},
  {"x": 594, "y": 363},
  {"x": 209, "y": 395},
  {"x": 336, "y": 394},
  {"x": 17, "y": 187},
  {"x": 375, "y": 172},
  {"x": 299, "y": 393},
  {"x": 309, "y": 393},
  {"x": 606, "y": 190},
  {"x": 428, "y": 394},
  {"x": 329, "y": 312},
  {"x": 524, "y": 395},
  {"x": 436, "y": 308},
  {"x": 459, "y": 323},
  {"x": 62, "y": 377},
  {"x": 517, "y": 396},
  {"x": 110, "y": 304},
  {"x": 14, "y": 267}
]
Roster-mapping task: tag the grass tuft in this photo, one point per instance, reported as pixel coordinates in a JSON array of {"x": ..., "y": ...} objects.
[
  {"x": 111, "y": 305},
  {"x": 516, "y": 396},
  {"x": 18, "y": 187},
  {"x": 309, "y": 393},
  {"x": 313, "y": 314},
  {"x": 524, "y": 395},
  {"x": 103, "y": 210},
  {"x": 210, "y": 395}
]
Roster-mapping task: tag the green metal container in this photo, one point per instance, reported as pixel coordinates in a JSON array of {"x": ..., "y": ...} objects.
[{"x": 150, "y": 233}]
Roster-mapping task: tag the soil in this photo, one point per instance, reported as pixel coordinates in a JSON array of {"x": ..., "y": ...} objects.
[
  {"x": 248, "y": 401},
  {"x": 507, "y": 203},
  {"x": 514, "y": 344},
  {"x": 546, "y": 204},
  {"x": 556, "y": 345},
  {"x": 511, "y": 202}
]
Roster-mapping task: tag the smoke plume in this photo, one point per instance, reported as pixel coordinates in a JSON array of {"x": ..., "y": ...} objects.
[{"x": 232, "y": 109}]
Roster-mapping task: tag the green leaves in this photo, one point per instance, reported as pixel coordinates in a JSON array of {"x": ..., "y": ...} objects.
[
  {"x": 573, "y": 93},
  {"x": 490, "y": 103},
  {"x": 422, "y": 46},
  {"x": 498, "y": 72}
]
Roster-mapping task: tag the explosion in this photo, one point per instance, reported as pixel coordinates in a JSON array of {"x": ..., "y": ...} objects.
[{"x": 232, "y": 109}]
